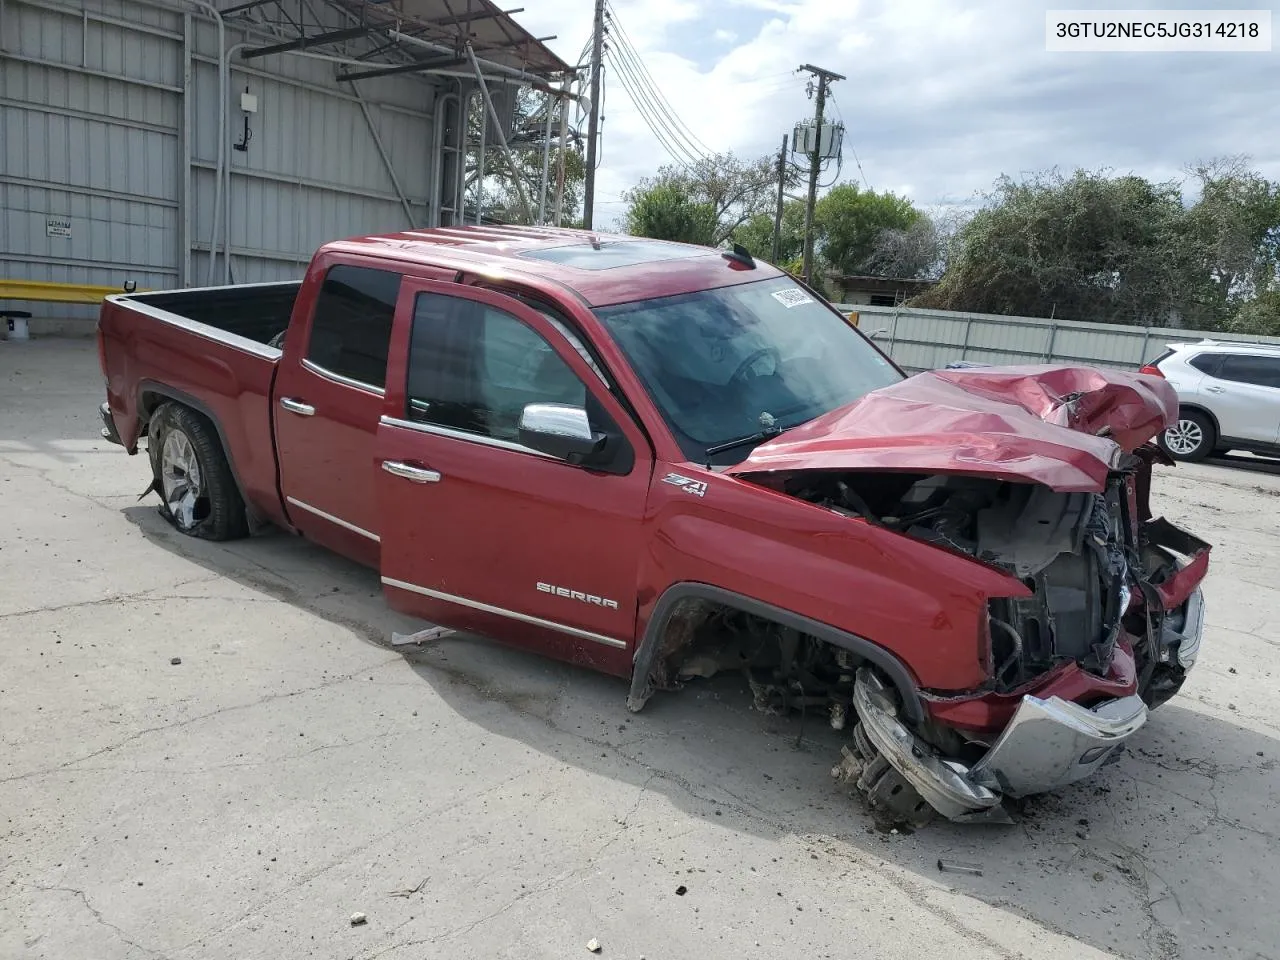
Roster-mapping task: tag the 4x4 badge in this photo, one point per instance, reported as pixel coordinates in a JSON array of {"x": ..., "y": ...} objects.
[{"x": 697, "y": 487}]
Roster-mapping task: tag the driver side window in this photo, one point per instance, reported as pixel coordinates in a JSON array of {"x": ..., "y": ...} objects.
[{"x": 473, "y": 368}]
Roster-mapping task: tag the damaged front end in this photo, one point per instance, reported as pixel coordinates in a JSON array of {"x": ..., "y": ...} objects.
[
  {"x": 1090, "y": 612},
  {"x": 1106, "y": 627}
]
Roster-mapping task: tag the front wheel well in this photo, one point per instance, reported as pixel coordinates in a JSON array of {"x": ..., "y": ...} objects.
[
  {"x": 684, "y": 609},
  {"x": 1204, "y": 412}
]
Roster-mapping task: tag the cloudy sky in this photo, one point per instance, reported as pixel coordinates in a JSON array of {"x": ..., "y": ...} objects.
[{"x": 941, "y": 96}]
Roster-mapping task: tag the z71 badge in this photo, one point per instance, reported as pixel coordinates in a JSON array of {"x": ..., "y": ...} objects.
[{"x": 697, "y": 487}]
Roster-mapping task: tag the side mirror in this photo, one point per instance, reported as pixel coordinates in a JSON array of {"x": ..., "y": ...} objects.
[{"x": 562, "y": 431}]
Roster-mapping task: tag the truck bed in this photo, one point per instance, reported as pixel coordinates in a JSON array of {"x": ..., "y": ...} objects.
[
  {"x": 215, "y": 350},
  {"x": 258, "y": 312}
]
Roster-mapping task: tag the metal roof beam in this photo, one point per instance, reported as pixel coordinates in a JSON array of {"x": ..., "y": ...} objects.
[
  {"x": 473, "y": 16},
  {"x": 439, "y": 63},
  {"x": 241, "y": 7},
  {"x": 301, "y": 43},
  {"x": 505, "y": 44}
]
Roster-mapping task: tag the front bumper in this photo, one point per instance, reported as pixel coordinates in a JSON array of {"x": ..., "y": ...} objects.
[
  {"x": 109, "y": 431},
  {"x": 1048, "y": 744},
  {"x": 1180, "y": 635}
]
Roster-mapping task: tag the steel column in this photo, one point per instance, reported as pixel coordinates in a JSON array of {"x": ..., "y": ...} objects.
[
  {"x": 386, "y": 158},
  {"x": 184, "y": 228},
  {"x": 546, "y": 163},
  {"x": 502, "y": 140}
]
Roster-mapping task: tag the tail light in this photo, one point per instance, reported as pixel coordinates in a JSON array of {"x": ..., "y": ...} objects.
[{"x": 1152, "y": 370}]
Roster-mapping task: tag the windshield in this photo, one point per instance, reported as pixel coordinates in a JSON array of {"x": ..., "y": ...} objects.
[{"x": 738, "y": 361}]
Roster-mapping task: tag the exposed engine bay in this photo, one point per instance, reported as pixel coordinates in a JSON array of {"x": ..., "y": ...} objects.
[
  {"x": 1094, "y": 564},
  {"x": 1071, "y": 549}
]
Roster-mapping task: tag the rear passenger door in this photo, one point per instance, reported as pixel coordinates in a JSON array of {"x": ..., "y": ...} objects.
[
  {"x": 1244, "y": 394},
  {"x": 329, "y": 393}
]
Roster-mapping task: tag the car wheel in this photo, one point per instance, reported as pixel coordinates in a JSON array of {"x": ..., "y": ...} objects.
[
  {"x": 1192, "y": 437},
  {"x": 192, "y": 475}
]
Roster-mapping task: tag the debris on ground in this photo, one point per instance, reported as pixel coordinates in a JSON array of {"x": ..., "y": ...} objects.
[
  {"x": 174, "y": 661},
  {"x": 358, "y": 919},
  {"x": 421, "y": 636},
  {"x": 593, "y": 945},
  {"x": 681, "y": 890},
  {"x": 959, "y": 866},
  {"x": 410, "y": 891}
]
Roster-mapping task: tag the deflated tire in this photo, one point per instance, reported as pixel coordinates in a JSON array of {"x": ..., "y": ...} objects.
[{"x": 197, "y": 491}]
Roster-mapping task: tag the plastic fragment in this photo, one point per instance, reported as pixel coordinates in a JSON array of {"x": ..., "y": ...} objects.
[
  {"x": 959, "y": 866},
  {"x": 422, "y": 636}
]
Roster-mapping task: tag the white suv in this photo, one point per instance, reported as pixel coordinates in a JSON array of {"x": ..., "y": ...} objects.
[{"x": 1229, "y": 397}]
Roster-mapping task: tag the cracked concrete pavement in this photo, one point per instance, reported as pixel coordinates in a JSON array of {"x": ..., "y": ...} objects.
[{"x": 475, "y": 801}]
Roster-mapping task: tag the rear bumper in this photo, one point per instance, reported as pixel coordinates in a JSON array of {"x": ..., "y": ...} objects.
[{"x": 109, "y": 431}]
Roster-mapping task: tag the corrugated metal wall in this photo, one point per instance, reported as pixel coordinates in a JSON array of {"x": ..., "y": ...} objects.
[
  {"x": 98, "y": 183},
  {"x": 928, "y": 339}
]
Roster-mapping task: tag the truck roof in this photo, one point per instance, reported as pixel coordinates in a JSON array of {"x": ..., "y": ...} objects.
[{"x": 602, "y": 268}]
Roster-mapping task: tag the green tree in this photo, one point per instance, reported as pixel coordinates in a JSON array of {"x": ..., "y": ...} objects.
[
  {"x": 1098, "y": 247},
  {"x": 1259, "y": 316},
  {"x": 757, "y": 234},
  {"x": 1085, "y": 247},
  {"x": 666, "y": 211},
  {"x": 1230, "y": 238},
  {"x": 851, "y": 222},
  {"x": 712, "y": 197}
]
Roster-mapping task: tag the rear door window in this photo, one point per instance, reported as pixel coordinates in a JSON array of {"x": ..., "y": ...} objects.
[
  {"x": 351, "y": 329},
  {"x": 1206, "y": 362},
  {"x": 1244, "y": 368}
]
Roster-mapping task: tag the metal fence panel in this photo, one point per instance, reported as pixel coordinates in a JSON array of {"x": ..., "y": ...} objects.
[{"x": 928, "y": 339}]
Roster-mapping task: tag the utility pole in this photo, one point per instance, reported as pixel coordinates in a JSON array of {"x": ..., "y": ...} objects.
[
  {"x": 815, "y": 164},
  {"x": 782, "y": 187},
  {"x": 564, "y": 141},
  {"x": 593, "y": 128}
]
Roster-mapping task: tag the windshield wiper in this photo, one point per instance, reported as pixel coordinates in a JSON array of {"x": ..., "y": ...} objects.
[{"x": 768, "y": 430}]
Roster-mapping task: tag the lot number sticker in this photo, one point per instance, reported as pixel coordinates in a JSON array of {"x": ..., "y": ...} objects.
[{"x": 792, "y": 298}]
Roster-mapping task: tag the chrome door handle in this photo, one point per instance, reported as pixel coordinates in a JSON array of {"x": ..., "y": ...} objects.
[
  {"x": 416, "y": 474},
  {"x": 298, "y": 407}
]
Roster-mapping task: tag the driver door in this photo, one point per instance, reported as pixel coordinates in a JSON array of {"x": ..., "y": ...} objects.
[{"x": 479, "y": 531}]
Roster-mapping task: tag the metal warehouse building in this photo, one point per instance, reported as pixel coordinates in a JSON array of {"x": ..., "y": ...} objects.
[{"x": 179, "y": 142}]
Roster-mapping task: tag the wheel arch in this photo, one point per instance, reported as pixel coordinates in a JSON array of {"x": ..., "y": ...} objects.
[
  {"x": 646, "y": 653},
  {"x": 151, "y": 395},
  {"x": 1204, "y": 411}
]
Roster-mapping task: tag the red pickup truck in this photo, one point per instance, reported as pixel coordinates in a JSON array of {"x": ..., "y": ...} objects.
[{"x": 664, "y": 461}]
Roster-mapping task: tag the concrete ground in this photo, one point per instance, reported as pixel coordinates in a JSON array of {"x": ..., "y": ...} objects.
[{"x": 474, "y": 801}]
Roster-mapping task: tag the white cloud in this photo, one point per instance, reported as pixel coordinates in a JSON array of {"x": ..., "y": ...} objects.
[{"x": 940, "y": 96}]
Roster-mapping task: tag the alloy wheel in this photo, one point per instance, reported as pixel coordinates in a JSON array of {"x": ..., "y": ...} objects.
[{"x": 1184, "y": 438}]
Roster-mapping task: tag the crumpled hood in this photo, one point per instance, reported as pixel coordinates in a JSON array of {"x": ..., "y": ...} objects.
[{"x": 1037, "y": 424}]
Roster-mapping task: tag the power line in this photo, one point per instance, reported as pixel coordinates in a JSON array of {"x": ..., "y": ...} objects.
[
  {"x": 866, "y": 183},
  {"x": 627, "y": 49},
  {"x": 652, "y": 115},
  {"x": 679, "y": 149},
  {"x": 674, "y": 148}
]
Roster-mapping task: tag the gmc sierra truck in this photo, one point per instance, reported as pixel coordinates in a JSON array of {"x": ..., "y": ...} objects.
[{"x": 665, "y": 461}]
